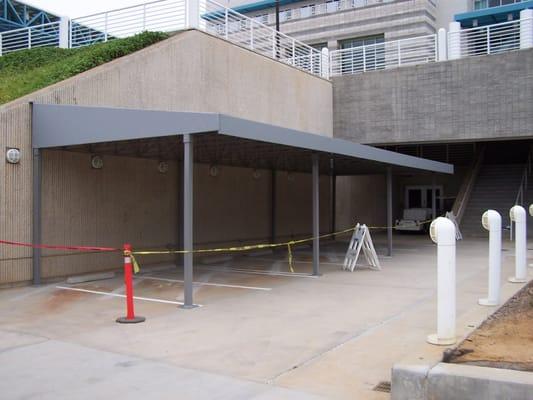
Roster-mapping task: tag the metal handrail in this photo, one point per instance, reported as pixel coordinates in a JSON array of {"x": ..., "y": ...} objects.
[{"x": 465, "y": 191}]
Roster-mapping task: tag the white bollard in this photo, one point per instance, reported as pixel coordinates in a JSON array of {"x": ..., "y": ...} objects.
[
  {"x": 454, "y": 41},
  {"x": 442, "y": 232},
  {"x": 492, "y": 221},
  {"x": 518, "y": 215},
  {"x": 442, "y": 45}
]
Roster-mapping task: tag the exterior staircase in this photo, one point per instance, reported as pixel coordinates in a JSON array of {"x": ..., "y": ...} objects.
[{"x": 495, "y": 188}]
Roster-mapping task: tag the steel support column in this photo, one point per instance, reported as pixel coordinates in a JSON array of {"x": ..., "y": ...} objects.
[
  {"x": 389, "y": 212},
  {"x": 273, "y": 206},
  {"x": 179, "y": 212},
  {"x": 332, "y": 196},
  {"x": 316, "y": 216},
  {"x": 433, "y": 197},
  {"x": 188, "y": 174},
  {"x": 36, "y": 219}
]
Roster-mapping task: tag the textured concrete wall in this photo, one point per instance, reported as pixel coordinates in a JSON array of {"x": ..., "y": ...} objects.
[
  {"x": 478, "y": 98},
  {"x": 192, "y": 71}
]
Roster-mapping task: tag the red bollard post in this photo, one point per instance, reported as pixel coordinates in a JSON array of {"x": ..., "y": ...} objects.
[{"x": 130, "y": 317}]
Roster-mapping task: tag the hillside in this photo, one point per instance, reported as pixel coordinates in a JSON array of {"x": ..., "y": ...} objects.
[{"x": 26, "y": 71}]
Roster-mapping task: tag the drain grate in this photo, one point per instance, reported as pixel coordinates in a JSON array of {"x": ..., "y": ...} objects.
[{"x": 382, "y": 387}]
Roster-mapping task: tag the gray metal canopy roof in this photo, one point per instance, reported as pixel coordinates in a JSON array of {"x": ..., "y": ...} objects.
[{"x": 219, "y": 138}]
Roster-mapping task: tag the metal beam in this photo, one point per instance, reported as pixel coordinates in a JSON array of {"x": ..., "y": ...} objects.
[
  {"x": 316, "y": 216},
  {"x": 36, "y": 219},
  {"x": 389, "y": 212},
  {"x": 188, "y": 175},
  {"x": 69, "y": 125}
]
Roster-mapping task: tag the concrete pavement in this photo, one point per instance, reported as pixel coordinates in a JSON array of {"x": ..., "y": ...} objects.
[{"x": 334, "y": 337}]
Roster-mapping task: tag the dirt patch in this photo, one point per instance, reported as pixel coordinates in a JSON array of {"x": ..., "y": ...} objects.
[
  {"x": 61, "y": 299},
  {"x": 504, "y": 340}
]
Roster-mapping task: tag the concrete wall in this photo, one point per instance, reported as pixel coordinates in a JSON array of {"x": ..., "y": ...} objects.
[
  {"x": 447, "y": 9},
  {"x": 473, "y": 99},
  {"x": 192, "y": 71},
  {"x": 364, "y": 198}
]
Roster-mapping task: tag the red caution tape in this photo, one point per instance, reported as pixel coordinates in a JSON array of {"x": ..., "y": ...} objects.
[{"x": 46, "y": 246}]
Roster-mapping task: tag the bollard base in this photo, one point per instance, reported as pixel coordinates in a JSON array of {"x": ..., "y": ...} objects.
[
  {"x": 434, "y": 339},
  {"x": 514, "y": 279},
  {"x": 134, "y": 320},
  {"x": 487, "y": 302}
]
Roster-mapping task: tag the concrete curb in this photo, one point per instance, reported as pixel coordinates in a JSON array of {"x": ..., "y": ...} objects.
[{"x": 458, "y": 382}]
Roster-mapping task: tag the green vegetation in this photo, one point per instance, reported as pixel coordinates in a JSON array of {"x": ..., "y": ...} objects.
[{"x": 26, "y": 71}]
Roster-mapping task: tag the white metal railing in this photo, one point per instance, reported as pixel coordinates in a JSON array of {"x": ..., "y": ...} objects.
[
  {"x": 490, "y": 39},
  {"x": 30, "y": 37},
  {"x": 162, "y": 15},
  {"x": 224, "y": 22},
  {"x": 396, "y": 53}
]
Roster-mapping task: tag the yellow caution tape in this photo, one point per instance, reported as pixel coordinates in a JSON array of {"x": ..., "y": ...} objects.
[{"x": 288, "y": 244}]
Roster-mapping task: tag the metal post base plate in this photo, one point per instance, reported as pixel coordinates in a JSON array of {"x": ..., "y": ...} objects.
[
  {"x": 134, "y": 320},
  {"x": 514, "y": 279},
  {"x": 434, "y": 339},
  {"x": 188, "y": 307},
  {"x": 487, "y": 302}
]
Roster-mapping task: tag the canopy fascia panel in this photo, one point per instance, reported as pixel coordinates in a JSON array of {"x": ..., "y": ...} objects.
[{"x": 69, "y": 125}]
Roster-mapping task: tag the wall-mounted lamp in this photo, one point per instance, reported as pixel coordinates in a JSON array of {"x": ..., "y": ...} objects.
[
  {"x": 13, "y": 155},
  {"x": 162, "y": 167},
  {"x": 213, "y": 170},
  {"x": 97, "y": 162}
]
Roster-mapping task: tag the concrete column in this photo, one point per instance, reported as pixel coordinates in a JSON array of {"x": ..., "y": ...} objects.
[
  {"x": 442, "y": 45},
  {"x": 36, "y": 218},
  {"x": 188, "y": 175},
  {"x": 454, "y": 41},
  {"x": 389, "y": 212},
  {"x": 193, "y": 14},
  {"x": 64, "y": 32},
  {"x": 316, "y": 216},
  {"x": 324, "y": 63},
  {"x": 526, "y": 29}
]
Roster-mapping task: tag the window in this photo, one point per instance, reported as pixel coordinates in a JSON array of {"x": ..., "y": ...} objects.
[
  {"x": 319, "y": 46},
  {"x": 366, "y": 53},
  {"x": 481, "y": 4},
  {"x": 422, "y": 197},
  {"x": 263, "y": 18},
  {"x": 332, "y": 6},
  {"x": 307, "y": 11}
]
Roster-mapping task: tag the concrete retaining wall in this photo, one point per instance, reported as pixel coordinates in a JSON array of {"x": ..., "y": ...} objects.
[
  {"x": 473, "y": 99},
  {"x": 459, "y": 382}
]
